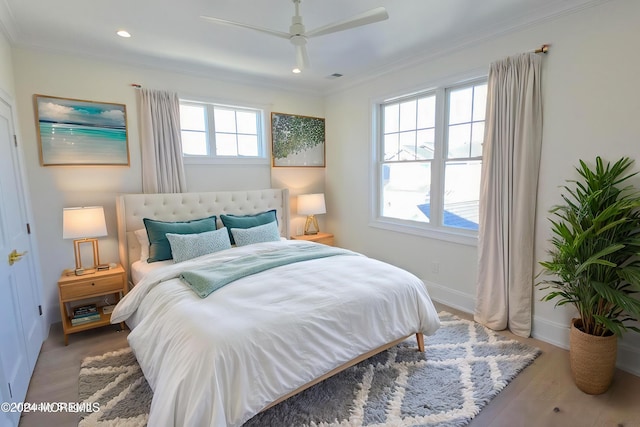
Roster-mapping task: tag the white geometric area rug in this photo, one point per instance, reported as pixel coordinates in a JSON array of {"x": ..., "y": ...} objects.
[{"x": 464, "y": 366}]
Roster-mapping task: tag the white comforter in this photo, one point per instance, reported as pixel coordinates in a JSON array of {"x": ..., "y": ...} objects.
[{"x": 218, "y": 361}]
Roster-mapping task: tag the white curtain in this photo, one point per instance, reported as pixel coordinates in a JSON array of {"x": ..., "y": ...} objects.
[
  {"x": 508, "y": 189},
  {"x": 161, "y": 143}
]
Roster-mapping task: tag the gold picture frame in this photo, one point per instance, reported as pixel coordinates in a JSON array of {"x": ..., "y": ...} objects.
[
  {"x": 77, "y": 132},
  {"x": 297, "y": 141}
]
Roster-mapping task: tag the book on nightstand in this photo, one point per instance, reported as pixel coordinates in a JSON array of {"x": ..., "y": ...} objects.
[
  {"x": 85, "y": 319},
  {"x": 85, "y": 314},
  {"x": 84, "y": 310}
]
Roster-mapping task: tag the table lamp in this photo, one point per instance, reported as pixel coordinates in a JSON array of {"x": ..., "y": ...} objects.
[
  {"x": 311, "y": 205},
  {"x": 84, "y": 225}
]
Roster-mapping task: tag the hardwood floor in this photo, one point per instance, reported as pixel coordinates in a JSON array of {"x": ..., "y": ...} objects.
[
  {"x": 55, "y": 378},
  {"x": 542, "y": 395}
]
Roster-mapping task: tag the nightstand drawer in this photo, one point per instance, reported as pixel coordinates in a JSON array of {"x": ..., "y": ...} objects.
[{"x": 90, "y": 287}]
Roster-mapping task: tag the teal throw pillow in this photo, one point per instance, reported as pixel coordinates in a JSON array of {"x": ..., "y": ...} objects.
[
  {"x": 258, "y": 234},
  {"x": 187, "y": 246},
  {"x": 159, "y": 247},
  {"x": 247, "y": 221}
]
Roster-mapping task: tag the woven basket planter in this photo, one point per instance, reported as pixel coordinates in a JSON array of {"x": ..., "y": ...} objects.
[{"x": 593, "y": 359}]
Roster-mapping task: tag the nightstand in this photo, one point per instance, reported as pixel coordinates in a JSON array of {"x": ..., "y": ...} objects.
[
  {"x": 324, "y": 238},
  {"x": 72, "y": 288}
]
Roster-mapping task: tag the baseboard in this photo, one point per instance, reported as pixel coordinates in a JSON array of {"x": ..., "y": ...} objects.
[
  {"x": 542, "y": 329},
  {"x": 451, "y": 297},
  {"x": 628, "y": 359},
  {"x": 552, "y": 332}
]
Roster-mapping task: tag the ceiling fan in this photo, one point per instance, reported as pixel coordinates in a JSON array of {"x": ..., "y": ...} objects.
[{"x": 298, "y": 36}]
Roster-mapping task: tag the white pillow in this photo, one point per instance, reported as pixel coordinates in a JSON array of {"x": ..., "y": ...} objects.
[
  {"x": 143, "y": 239},
  {"x": 258, "y": 234},
  {"x": 187, "y": 246}
]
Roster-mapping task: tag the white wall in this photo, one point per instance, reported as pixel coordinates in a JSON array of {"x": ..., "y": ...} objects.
[
  {"x": 55, "y": 187},
  {"x": 6, "y": 66},
  {"x": 591, "y": 107}
]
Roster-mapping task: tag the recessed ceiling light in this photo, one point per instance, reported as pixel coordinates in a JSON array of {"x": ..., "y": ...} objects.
[
  {"x": 296, "y": 70},
  {"x": 123, "y": 33}
]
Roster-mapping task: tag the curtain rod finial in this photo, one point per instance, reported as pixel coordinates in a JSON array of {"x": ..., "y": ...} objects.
[
  {"x": 136, "y": 85},
  {"x": 543, "y": 49}
]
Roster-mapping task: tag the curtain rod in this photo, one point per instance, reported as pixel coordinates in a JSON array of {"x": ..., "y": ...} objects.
[
  {"x": 543, "y": 49},
  {"x": 136, "y": 85}
]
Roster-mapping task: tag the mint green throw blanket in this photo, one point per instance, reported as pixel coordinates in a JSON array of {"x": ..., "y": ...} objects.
[{"x": 204, "y": 281}]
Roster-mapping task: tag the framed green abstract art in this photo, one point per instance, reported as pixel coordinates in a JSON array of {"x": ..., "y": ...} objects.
[{"x": 298, "y": 141}]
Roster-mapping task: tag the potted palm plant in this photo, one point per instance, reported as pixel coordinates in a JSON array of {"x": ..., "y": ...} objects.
[{"x": 594, "y": 266}]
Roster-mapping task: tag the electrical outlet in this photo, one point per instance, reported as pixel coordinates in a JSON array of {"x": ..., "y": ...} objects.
[{"x": 435, "y": 267}]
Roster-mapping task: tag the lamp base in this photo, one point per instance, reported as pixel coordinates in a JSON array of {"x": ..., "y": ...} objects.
[
  {"x": 80, "y": 270},
  {"x": 311, "y": 226}
]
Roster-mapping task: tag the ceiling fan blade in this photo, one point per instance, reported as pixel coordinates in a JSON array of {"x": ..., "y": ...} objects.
[
  {"x": 369, "y": 17},
  {"x": 302, "y": 58},
  {"x": 280, "y": 34}
]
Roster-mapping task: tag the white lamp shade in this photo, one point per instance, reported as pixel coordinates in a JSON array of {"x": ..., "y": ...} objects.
[
  {"x": 311, "y": 204},
  {"x": 83, "y": 222}
]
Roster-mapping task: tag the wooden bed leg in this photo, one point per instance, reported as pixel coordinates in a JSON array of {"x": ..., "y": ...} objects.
[{"x": 420, "y": 339}]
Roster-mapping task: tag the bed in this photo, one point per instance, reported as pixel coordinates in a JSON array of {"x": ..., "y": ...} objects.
[{"x": 218, "y": 360}]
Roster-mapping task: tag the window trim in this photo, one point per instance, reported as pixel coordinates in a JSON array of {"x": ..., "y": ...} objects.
[
  {"x": 212, "y": 159},
  {"x": 376, "y": 220}
]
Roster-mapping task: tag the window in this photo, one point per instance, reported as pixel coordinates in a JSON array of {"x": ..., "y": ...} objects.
[
  {"x": 221, "y": 132},
  {"x": 429, "y": 158}
]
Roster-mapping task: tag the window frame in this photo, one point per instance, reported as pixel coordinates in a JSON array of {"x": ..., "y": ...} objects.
[
  {"x": 264, "y": 157},
  {"x": 432, "y": 229}
]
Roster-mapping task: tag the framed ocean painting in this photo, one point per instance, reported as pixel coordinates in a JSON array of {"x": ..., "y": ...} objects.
[
  {"x": 77, "y": 132},
  {"x": 298, "y": 141}
]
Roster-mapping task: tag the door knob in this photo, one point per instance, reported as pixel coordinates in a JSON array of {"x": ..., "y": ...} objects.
[{"x": 15, "y": 256}]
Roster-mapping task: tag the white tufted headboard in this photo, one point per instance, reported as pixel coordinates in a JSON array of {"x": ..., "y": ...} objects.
[{"x": 132, "y": 208}]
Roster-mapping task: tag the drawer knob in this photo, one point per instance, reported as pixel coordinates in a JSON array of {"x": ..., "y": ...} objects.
[{"x": 93, "y": 284}]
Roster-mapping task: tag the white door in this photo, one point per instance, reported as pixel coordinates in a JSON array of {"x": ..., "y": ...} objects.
[{"x": 21, "y": 331}]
